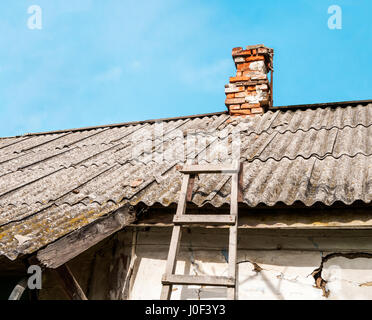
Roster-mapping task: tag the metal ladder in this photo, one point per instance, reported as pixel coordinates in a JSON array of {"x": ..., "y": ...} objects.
[{"x": 181, "y": 219}]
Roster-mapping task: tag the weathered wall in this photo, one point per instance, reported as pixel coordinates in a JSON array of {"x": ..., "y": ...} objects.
[{"x": 273, "y": 264}]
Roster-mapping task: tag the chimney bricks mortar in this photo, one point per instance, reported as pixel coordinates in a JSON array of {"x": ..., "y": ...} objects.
[{"x": 249, "y": 92}]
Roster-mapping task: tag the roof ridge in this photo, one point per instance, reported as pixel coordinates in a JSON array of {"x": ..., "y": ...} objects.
[
  {"x": 122, "y": 124},
  {"x": 273, "y": 109}
]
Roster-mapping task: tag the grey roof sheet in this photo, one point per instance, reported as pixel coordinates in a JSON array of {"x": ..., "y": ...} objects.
[{"x": 52, "y": 184}]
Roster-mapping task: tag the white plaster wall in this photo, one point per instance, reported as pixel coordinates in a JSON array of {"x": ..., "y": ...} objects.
[
  {"x": 263, "y": 272},
  {"x": 349, "y": 279}
]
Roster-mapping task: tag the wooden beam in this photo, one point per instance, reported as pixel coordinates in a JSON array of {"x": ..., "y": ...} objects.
[
  {"x": 233, "y": 235},
  {"x": 118, "y": 270},
  {"x": 216, "y": 281},
  {"x": 205, "y": 219},
  {"x": 70, "y": 284},
  {"x": 274, "y": 218},
  {"x": 211, "y": 168},
  {"x": 181, "y": 206},
  {"x": 70, "y": 246},
  {"x": 129, "y": 279},
  {"x": 170, "y": 267}
]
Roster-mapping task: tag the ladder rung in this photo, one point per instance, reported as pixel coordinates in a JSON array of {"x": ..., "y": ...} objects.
[
  {"x": 217, "y": 281},
  {"x": 205, "y": 219},
  {"x": 212, "y": 168}
]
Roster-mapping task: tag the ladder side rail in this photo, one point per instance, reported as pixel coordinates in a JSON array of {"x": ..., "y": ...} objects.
[
  {"x": 175, "y": 240},
  {"x": 233, "y": 236}
]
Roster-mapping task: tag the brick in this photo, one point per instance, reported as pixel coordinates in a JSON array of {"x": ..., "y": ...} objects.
[
  {"x": 236, "y": 79},
  {"x": 262, "y": 86},
  {"x": 236, "y": 50},
  {"x": 245, "y": 106},
  {"x": 262, "y": 50},
  {"x": 239, "y": 73},
  {"x": 243, "y": 66},
  {"x": 234, "y": 101},
  {"x": 249, "y": 73},
  {"x": 254, "y": 58},
  {"x": 136, "y": 183},
  {"x": 234, "y": 107},
  {"x": 254, "y": 105},
  {"x": 242, "y": 53},
  {"x": 239, "y": 59},
  {"x": 257, "y": 110},
  {"x": 240, "y": 94},
  {"x": 259, "y": 77},
  {"x": 251, "y": 88},
  {"x": 240, "y": 112},
  {"x": 230, "y": 95},
  {"x": 250, "y": 93},
  {"x": 234, "y": 89}
]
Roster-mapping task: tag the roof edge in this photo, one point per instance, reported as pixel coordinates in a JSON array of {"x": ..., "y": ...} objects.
[{"x": 118, "y": 124}]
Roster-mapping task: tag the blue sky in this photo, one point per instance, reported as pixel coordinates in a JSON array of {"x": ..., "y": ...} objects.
[{"x": 98, "y": 62}]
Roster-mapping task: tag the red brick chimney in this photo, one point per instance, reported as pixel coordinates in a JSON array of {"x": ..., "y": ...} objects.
[{"x": 250, "y": 91}]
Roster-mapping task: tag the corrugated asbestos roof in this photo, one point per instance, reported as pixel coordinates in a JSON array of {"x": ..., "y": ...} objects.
[{"x": 52, "y": 184}]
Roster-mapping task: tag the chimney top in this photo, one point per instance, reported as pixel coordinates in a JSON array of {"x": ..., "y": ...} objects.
[{"x": 250, "y": 91}]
